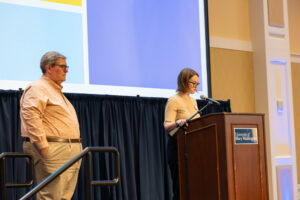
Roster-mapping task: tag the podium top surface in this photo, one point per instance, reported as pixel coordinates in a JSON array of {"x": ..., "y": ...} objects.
[
  {"x": 230, "y": 113},
  {"x": 225, "y": 115}
]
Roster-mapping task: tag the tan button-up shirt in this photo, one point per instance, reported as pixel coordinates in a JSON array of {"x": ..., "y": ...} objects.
[{"x": 46, "y": 112}]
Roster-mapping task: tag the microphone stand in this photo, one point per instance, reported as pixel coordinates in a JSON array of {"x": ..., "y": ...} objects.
[
  {"x": 172, "y": 133},
  {"x": 189, "y": 119}
]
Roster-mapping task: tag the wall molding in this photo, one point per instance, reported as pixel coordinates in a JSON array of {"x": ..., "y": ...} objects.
[
  {"x": 240, "y": 45},
  {"x": 295, "y": 58},
  {"x": 298, "y": 187},
  {"x": 232, "y": 44}
]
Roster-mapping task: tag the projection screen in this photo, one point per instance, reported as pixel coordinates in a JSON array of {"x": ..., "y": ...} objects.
[{"x": 122, "y": 47}]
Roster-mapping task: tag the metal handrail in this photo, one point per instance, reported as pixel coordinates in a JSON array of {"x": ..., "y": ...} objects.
[
  {"x": 3, "y": 183},
  {"x": 89, "y": 182}
]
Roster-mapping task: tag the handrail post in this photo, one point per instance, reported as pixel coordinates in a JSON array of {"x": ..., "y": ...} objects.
[
  {"x": 31, "y": 169},
  {"x": 88, "y": 177},
  {"x": 117, "y": 164},
  {"x": 3, "y": 178}
]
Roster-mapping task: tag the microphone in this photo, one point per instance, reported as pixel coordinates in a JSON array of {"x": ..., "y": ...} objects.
[{"x": 203, "y": 97}]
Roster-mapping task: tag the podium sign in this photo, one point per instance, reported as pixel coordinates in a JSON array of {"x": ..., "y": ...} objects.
[
  {"x": 222, "y": 156},
  {"x": 245, "y": 136}
]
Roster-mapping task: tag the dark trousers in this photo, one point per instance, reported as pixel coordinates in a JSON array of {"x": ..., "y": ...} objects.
[{"x": 173, "y": 165}]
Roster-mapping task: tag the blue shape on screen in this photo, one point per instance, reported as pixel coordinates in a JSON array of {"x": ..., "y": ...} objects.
[
  {"x": 142, "y": 43},
  {"x": 28, "y": 32}
]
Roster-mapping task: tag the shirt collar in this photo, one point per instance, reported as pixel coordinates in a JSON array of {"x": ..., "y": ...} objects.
[{"x": 52, "y": 83}]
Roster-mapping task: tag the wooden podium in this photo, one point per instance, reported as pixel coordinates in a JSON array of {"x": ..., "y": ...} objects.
[{"x": 222, "y": 156}]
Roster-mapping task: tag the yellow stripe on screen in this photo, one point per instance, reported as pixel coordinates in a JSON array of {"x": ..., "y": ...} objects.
[{"x": 69, "y": 2}]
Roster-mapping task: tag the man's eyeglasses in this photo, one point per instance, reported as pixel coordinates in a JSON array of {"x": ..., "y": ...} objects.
[
  {"x": 64, "y": 67},
  {"x": 195, "y": 84}
]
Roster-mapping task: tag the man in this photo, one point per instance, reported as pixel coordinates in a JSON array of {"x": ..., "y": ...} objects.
[{"x": 50, "y": 128}]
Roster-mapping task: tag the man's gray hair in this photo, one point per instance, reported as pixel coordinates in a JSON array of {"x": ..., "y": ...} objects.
[{"x": 50, "y": 58}]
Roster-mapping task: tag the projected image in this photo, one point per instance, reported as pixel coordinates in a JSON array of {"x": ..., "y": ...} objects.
[
  {"x": 145, "y": 45},
  {"x": 28, "y": 31},
  {"x": 112, "y": 47}
]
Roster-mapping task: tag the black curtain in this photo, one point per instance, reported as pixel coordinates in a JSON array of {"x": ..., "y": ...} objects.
[{"x": 134, "y": 125}]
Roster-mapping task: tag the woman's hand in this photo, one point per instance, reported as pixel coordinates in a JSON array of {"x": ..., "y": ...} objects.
[
  {"x": 171, "y": 125},
  {"x": 179, "y": 122}
]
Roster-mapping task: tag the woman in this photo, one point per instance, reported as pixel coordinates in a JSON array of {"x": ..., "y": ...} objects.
[{"x": 179, "y": 108}]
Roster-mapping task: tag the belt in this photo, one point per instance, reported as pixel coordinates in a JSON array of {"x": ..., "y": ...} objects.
[{"x": 78, "y": 140}]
